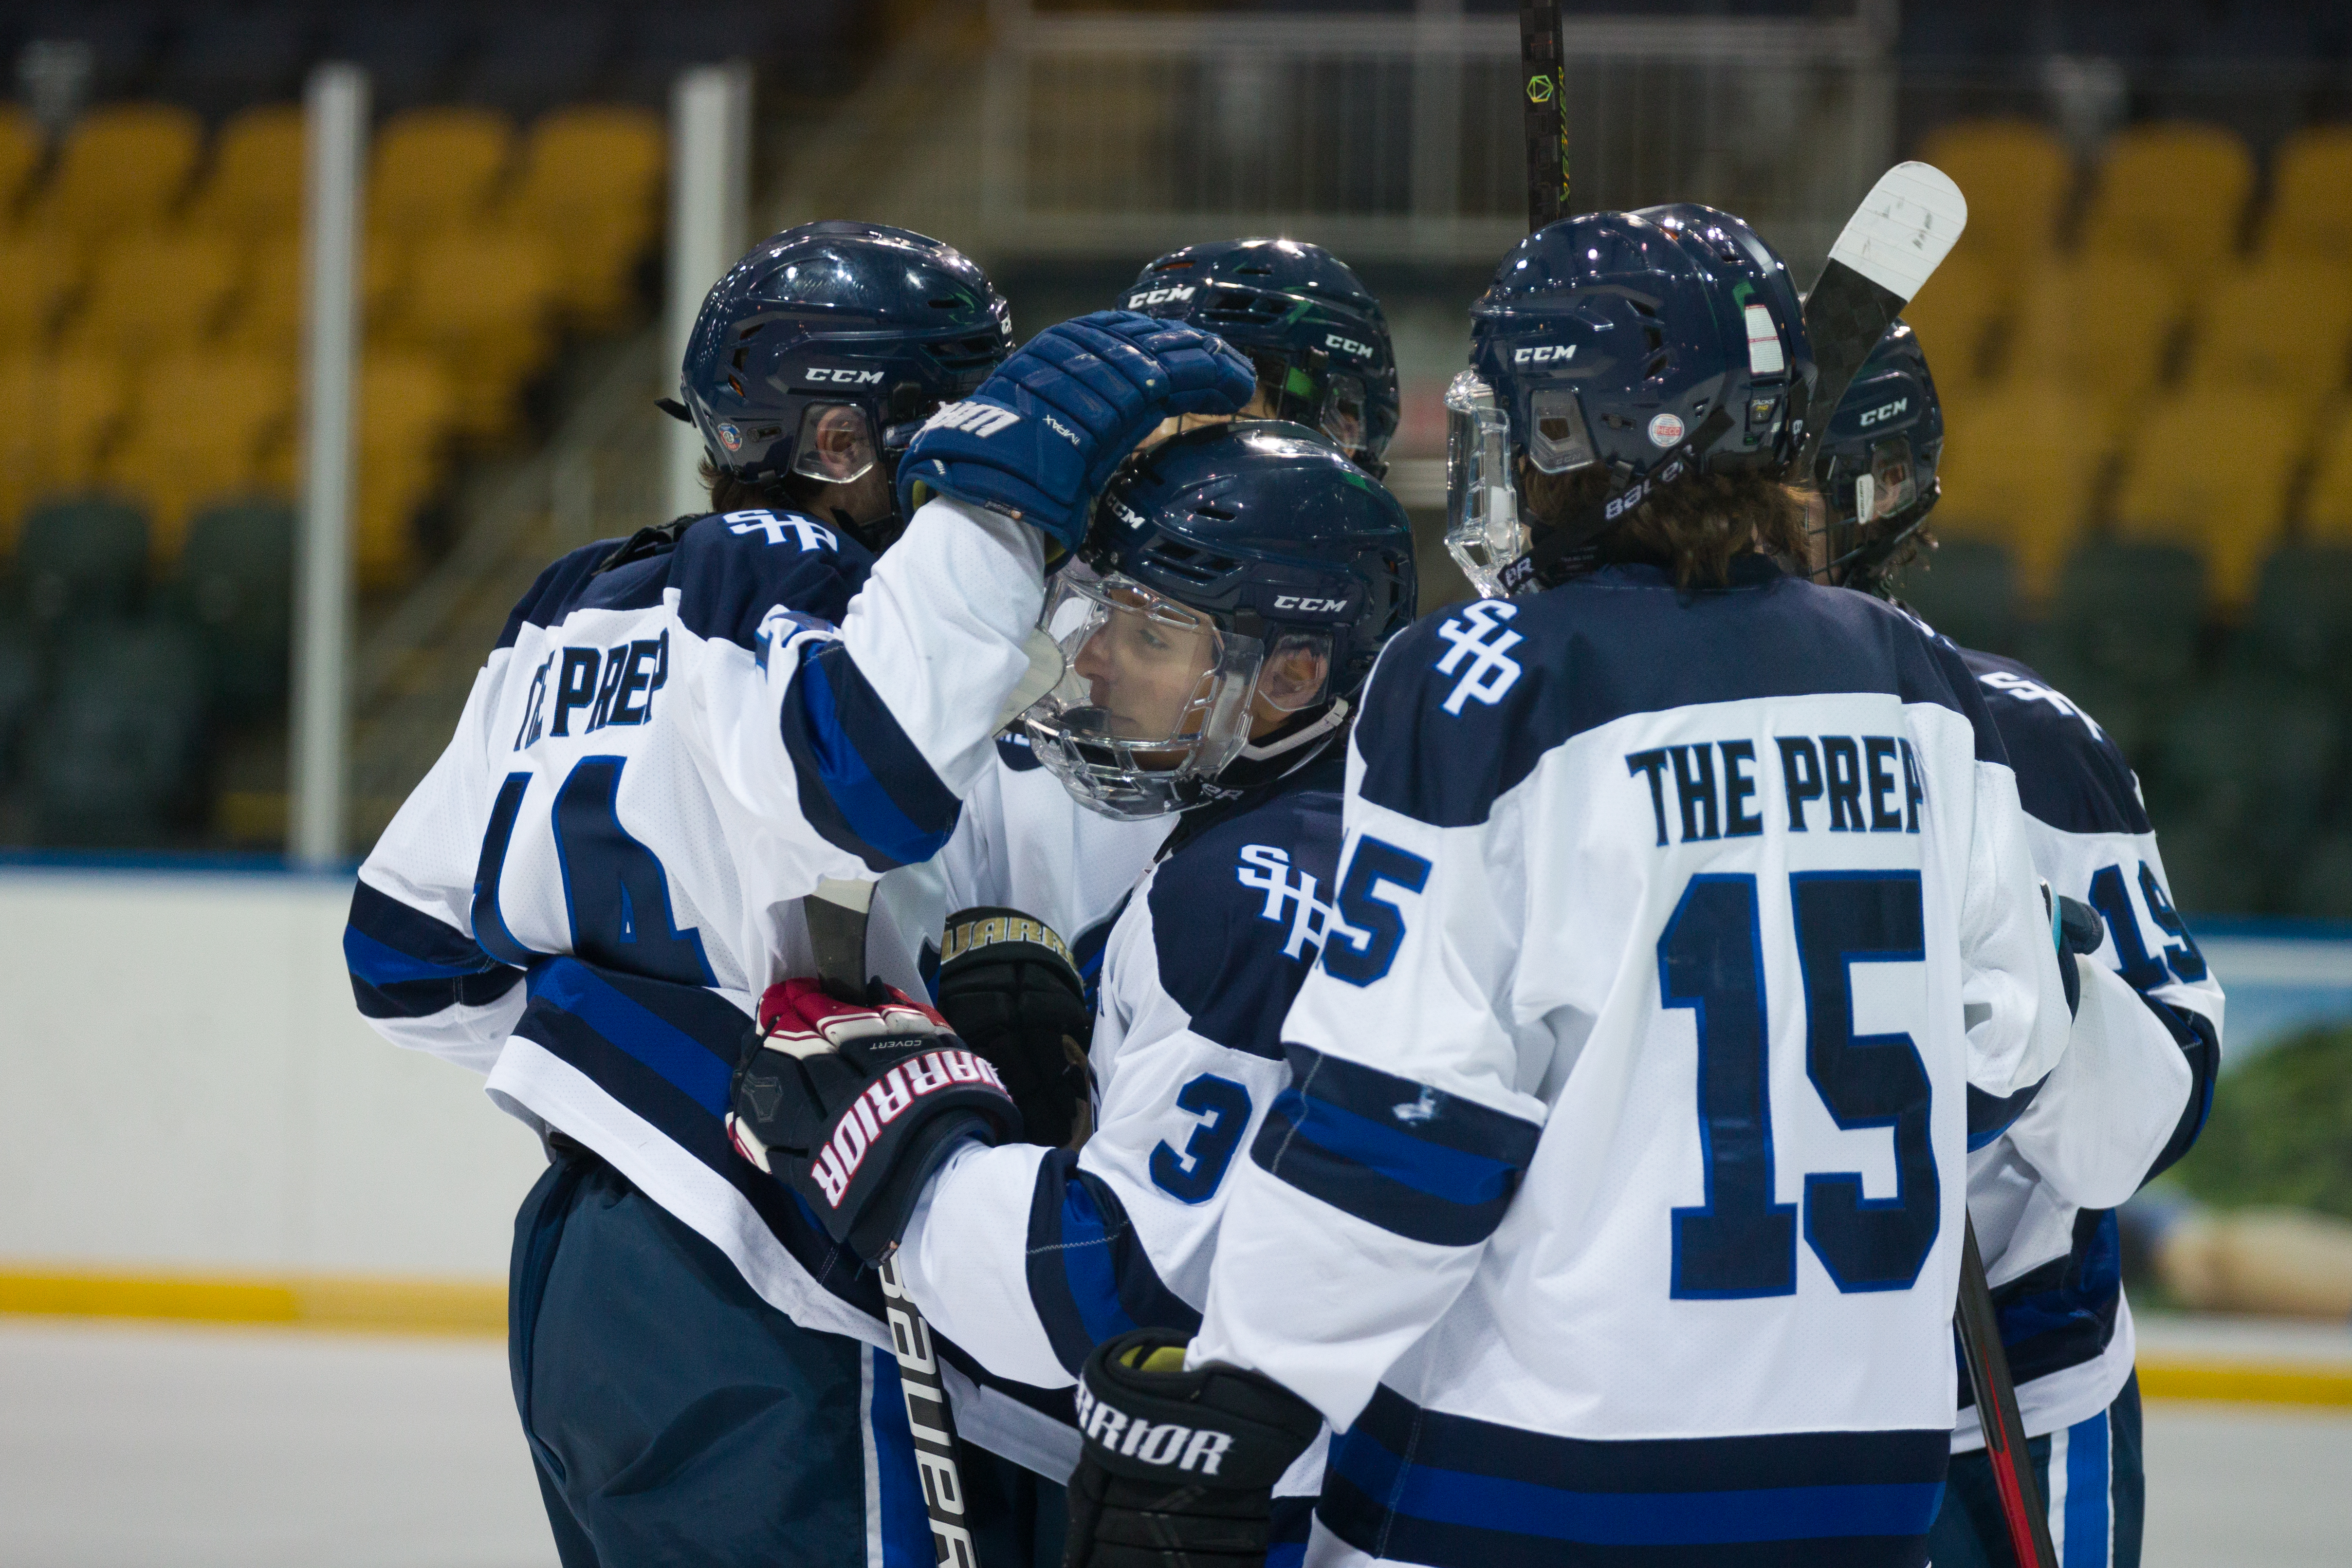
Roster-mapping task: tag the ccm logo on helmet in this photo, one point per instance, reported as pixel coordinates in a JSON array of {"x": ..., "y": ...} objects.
[
  {"x": 1348, "y": 345},
  {"x": 1310, "y": 606},
  {"x": 1560, "y": 353},
  {"x": 843, "y": 375},
  {"x": 1886, "y": 411},
  {"x": 884, "y": 1101},
  {"x": 1167, "y": 296},
  {"x": 1194, "y": 1449},
  {"x": 1124, "y": 513}
]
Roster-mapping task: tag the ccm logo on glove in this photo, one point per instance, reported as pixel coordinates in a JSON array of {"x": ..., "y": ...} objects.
[
  {"x": 884, "y": 1101},
  {"x": 1194, "y": 1450}
]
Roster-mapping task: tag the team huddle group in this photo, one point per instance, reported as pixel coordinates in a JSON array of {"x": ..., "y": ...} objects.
[{"x": 1499, "y": 1088}]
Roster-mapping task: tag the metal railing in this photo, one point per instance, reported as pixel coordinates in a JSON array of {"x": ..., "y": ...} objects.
[{"x": 1398, "y": 137}]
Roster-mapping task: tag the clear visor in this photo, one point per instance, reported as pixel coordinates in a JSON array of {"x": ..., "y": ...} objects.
[
  {"x": 1156, "y": 700},
  {"x": 1343, "y": 413},
  {"x": 1892, "y": 484},
  {"x": 835, "y": 445},
  {"x": 1483, "y": 532},
  {"x": 1559, "y": 442}
]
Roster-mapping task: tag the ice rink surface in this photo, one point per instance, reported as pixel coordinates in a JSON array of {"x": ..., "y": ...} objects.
[{"x": 128, "y": 1446}]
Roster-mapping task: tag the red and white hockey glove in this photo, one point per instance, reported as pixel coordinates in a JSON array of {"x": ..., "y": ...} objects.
[{"x": 853, "y": 1105}]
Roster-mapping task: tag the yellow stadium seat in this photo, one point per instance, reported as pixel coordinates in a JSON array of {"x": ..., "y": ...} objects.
[
  {"x": 481, "y": 302},
  {"x": 2328, "y": 509},
  {"x": 123, "y": 170},
  {"x": 2210, "y": 469},
  {"x": 205, "y": 422},
  {"x": 1954, "y": 315},
  {"x": 24, "y": 402},
  {"x": 592, "y": 176},
  {"x": 407, "y": 410},
  {"x": 150, "y": 293},
  {"x": 2018, "y": 468},
  {"x": 268, "y": 316},
  {"x": 20, "y": 159},
  {"x": 2100, "y": 323},
  {"x": 2014, "y": 173},
  {"x": 2311, "y": 194},
  {"x": 254, "y": 191},
  {"x": 86, "y": 395},
  {"x": 2283, "y": 325},
  {"x": 436, "y": 169},
  {"x": 39, "y": 277},
  {"x": 2174, "y": 191}
]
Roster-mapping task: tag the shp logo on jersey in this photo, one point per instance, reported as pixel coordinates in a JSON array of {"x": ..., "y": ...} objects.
[
  {"x": 1268, "y": 869},
  {"x": 1196, "y": 1450},
  {"x": 1480, "y": 654},
  {"x": 1174, "y": 294},
  {"x": 884, "y": 1101},
  {"x": 981, "y": 419}
]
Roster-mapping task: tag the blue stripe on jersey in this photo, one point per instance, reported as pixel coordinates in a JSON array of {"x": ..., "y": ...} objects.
[
  {"x": 863, "y": 784},
  {"x": 1400, "y": 1154},
  {"x": 2069, "y": 774},
  {"x": 675, "y": 1052},
  {"x": 1989, "y": 1115},
  {"x": 1089, "y": 1277},
  {"x": 1422, "y": 1486},
  {"x": 634, "y": 1071},
  {"x": 404, "y": 963},
  {"x": 898, "y": 1484},
  {"x": 1464, "y": 705}
]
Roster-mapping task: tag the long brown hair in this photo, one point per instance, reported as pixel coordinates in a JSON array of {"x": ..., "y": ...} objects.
[{"x": 1695, "y": 528}]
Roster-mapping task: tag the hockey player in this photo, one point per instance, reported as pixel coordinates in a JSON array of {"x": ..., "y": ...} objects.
[
  {"x": 1315, "y": 333},
  {"x": 2133, "y": 1088},
  {"x": 1686, "y": 932},
  {"x": 1244, "y": 577},
  {"x": 676, "y": 738}
]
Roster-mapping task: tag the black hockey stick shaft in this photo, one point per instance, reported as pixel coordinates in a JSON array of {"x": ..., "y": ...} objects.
[
  {"x": 1997, "y": 1415},
  {"x": 1542, "y": 89},
  {"x": 837, "y": 914}
]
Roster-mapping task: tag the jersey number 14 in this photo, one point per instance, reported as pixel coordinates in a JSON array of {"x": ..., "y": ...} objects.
[{"x": 1740, "y": 1242}]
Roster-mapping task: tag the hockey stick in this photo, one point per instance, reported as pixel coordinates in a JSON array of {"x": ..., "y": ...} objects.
[
  {"x": 1546, "y": 113},
  {"x": 2003, "y": 1427},
  {"x": 1894, "y": 240},
  {"x": 836, "y": 916}
]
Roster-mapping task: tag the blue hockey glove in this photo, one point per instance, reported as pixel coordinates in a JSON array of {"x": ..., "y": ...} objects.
[
  {"x": 2077, "y": 928},
  {"x": 1044, "y": 433},
  {"x": 853, "y": 1104}
]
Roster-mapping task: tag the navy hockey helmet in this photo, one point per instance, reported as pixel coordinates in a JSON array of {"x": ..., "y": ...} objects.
[
  {"x": 1877, "y": 467},
  {"x": 1235, "y": 572},
  {"x": 1317, "y": 334},
  {"x": 881, "y": 322},
  {"x": 1652, "y": 345}
]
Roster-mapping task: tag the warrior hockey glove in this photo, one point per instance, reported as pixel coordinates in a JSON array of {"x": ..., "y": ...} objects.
[
  {"x": 1179, "y": 1467},
  {"x": 1009, "y": 989},
  {"x": 854, "y": 1105},
  {"x": 1044, "y": 432}
]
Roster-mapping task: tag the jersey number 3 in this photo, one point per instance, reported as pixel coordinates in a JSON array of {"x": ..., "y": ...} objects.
[{"x": 1710, "y": 960}]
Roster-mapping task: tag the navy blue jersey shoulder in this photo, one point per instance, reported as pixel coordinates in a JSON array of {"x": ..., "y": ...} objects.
[
  {"x": 1464, "y": 704},
  {"x": 1239, "y": 913},
  {"x": 2070, "y": 774},
  {"x": 729, "y": 570}
]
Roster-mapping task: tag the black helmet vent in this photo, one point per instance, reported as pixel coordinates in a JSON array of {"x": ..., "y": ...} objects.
[{"x": 1185, "y": 561}]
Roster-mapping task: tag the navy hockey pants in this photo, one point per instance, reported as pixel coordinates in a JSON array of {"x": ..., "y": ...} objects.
[
  {"x": 2090, "y": 1481},
  {"x": 675, "y": 1418}
]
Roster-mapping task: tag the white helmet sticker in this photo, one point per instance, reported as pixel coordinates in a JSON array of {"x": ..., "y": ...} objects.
[{"x": 1764, "y": 355}]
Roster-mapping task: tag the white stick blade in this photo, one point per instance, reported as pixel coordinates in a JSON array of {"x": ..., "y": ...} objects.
[{"x": 1904, "y": 228}]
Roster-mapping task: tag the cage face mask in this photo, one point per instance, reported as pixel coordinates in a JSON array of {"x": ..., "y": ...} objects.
[
  {"x": 1483, "y": 531},
  {"x": 1156, "y": 700}
]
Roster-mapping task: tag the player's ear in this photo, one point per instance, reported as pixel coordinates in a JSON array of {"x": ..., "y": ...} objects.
[{"x": 1295, "y": 674}]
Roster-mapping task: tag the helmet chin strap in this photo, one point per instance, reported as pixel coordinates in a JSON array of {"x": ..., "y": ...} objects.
[{"x": 1285, "y": 739}]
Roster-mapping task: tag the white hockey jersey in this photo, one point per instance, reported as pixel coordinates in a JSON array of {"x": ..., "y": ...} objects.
[
  {"x": 1615, "y": 1204},
  {"x": 1032, "y": 1256},
  {"x": 661, "y": 758},
  {"x": 2043, "y": 1194}
]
